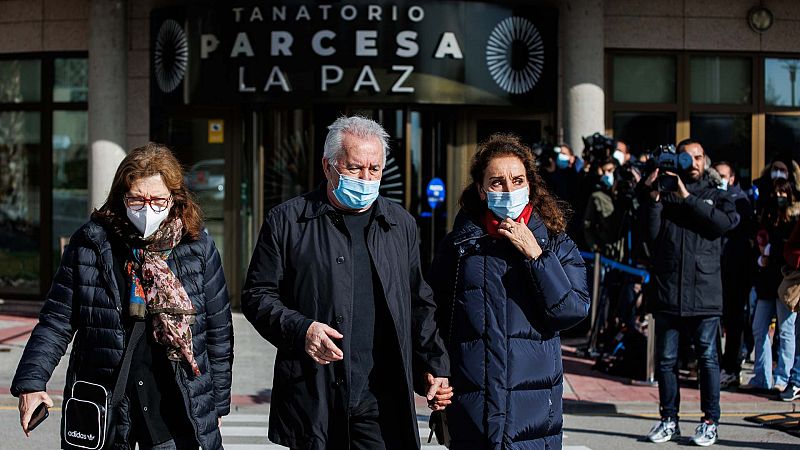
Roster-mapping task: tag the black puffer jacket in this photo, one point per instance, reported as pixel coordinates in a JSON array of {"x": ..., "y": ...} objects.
[
  {"x": 685, "y": 236},
  {"x": 84, "y": 303}
]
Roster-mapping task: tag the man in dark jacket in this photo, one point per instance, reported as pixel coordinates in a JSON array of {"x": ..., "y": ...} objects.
[
  {"x": 737, "y": 277},
  {"x": 335, "y": 284},
  {"x": 684, "y": 229}
]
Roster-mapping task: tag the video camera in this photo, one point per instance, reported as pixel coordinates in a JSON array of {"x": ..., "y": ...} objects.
[
  {"x": 666, "y": 159},
  {"x": 597, "y": 147}
]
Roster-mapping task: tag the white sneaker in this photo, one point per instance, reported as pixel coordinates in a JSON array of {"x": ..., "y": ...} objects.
[
  {"x": 664, "y": 431},
  {"x": 791, "y": 393},
  {"x": 705, "y": 434},
  {"x": 727, "y": 380}
]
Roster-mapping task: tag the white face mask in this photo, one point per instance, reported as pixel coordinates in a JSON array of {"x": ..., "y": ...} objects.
[
  {"x": 619, "y": 156},
  {"x": 146, "y": 220}
]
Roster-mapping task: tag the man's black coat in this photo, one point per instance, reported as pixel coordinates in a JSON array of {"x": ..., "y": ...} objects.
[
  {"x": 685, "y": 238},
  {"x": 301, "y": 271}
]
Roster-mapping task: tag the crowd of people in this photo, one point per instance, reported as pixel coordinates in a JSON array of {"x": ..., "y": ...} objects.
[
  {"x": 722, "y": 259},
  {"x": 335, "y": 283}
]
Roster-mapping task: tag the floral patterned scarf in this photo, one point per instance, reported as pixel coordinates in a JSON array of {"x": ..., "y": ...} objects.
[{"x": 157, "y": 292}]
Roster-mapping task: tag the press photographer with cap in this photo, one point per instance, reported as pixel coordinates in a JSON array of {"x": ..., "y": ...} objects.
[{"x": 685, "y": 217}]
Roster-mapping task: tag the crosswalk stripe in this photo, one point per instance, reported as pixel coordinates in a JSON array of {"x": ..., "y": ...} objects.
[
  {"x": 243, "y": 431},
  {"x": 254, "y": 447},
  {"x": 245, "y": 418},
  {"x": 230, "y": 429}
]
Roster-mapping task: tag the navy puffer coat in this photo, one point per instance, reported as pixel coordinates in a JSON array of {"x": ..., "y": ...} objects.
[
  {"x": 84, "y": 303},
  {"x": 504, "y": 343}
]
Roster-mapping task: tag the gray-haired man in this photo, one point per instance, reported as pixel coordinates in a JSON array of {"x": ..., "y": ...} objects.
[{"x": 335, "y": 284}]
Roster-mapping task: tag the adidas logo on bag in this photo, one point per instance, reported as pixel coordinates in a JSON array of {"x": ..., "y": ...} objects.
[{"x": 79, "y": 435}]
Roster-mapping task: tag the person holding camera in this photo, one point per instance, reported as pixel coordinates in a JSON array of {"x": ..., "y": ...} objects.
[{"x": 685, "y": 217}]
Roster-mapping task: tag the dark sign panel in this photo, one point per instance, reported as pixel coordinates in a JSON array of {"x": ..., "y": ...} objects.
[{"x": 442, "y": 52}]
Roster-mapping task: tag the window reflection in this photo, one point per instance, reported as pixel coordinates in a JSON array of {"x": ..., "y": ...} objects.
[
  {"x": 70, "y": 161},
  {"x": 19, "y": 81},
  {"x": 716, "y": 79},
  {"x": 19, "y": 201},
  {"x": 644, "y": 79},
  {"x": 71, "y": 80},
  {"x": 781, "y": 86}
]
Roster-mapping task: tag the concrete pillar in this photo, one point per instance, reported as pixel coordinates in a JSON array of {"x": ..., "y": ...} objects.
[
  {"x": 108, "y": 69},
  {"x": 582, "y": 62}
]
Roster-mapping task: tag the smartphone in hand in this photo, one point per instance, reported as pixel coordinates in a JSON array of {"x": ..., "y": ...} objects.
[{"x": 39, "y": 414}]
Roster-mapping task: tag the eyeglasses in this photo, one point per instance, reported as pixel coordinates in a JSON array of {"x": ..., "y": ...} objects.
[{"x": 157, "y": 204}]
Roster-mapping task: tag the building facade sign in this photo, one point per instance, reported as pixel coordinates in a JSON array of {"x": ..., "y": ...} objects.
[{"x": 444, "y": 52}]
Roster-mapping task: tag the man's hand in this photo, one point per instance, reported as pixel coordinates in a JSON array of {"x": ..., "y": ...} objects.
[
  {"x": 439, "y": 392},
  {"x": 27, "y": 405},
  {"x": 682, "y": 191},
  {"x": 654, "y": 194},
  {"x": 319, "y": 345}
]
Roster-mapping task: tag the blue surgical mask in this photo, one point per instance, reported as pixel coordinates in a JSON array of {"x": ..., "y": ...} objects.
[
  {"x": 562, "y": 162},
  {"x": 607, "y": 179},
  {"x": 508, "y": 204},
  {"x": 724, "y": 185},
  {"x": 355, "y": 193},
  {"x": 775, "y": 174}
]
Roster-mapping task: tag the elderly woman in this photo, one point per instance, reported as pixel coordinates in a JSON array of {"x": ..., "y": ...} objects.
[
  {"x": 507, "y": 280},
  {"x": 143, "y": 262}
]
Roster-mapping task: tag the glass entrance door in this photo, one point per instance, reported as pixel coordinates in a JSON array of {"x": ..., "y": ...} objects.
[{"x": 203, "y": 143}]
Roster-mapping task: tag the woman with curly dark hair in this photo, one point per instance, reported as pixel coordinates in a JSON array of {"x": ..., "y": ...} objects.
[
  {"x": 507, "y": 280},
  {"x": 141, "y": 295}
]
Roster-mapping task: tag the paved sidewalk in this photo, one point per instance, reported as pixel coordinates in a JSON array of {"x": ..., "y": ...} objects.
[
  {"x": 585, "y": 390},
  {"x": 590, "y": 391}
]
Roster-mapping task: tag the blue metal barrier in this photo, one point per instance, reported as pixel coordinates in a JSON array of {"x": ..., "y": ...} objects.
[{"x": 618, "y": 266}]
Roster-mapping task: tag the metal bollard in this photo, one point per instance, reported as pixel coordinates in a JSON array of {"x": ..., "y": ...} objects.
[
  {"x": 650, "y": 363},
  {"x": 595, "y": 327},
  {"x": 595, "y": 286},
  {"x": 650, "y": 375}
]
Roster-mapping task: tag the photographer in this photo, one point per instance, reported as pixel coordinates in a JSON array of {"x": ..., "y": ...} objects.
[{"x": 684, "y": 219}]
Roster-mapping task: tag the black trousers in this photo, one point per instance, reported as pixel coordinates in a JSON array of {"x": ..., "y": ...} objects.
[
  {"x": 374, "y": 424},
  {"x": 735, "y": 296}
]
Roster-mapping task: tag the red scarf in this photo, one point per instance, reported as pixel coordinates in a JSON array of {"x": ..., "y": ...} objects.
[{"x": 491, "y": 223}]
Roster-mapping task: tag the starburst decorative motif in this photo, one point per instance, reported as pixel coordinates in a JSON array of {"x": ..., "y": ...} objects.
[
  {"x": 515, "y": 55},
  {"x": 171, "y": 56}
]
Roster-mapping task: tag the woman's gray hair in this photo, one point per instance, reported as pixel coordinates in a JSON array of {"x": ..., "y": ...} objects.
[{"x": 357, "y": 126}]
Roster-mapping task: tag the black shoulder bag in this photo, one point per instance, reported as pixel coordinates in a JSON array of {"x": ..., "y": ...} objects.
[
  {"x": 89, "y": 412},
  {"x": 438, "y": 420}
]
